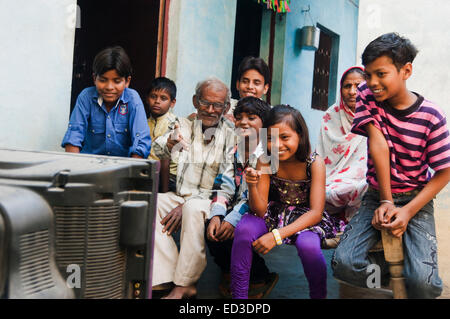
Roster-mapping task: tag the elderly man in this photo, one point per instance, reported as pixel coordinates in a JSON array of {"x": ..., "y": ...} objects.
[{"x": 202, "y": 147}]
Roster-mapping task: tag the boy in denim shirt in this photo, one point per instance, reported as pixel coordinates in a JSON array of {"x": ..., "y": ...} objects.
[{"x": 109, "y": 118}]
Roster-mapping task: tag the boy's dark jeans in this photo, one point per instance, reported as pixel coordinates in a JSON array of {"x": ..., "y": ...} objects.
[{"x": 221, "y": 251}]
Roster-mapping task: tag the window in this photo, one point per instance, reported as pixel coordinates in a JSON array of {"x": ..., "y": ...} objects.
[{"x": 325, "y": 70}]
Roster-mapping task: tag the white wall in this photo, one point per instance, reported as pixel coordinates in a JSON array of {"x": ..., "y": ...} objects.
[
  {"x": 426, "y": 24},
  {"x": 36, "y": 56},
  {"x": 341, "y": 17},
  {"x": 201, "y": 38}
]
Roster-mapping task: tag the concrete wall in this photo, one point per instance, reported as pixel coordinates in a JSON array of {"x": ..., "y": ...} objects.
[
  {"x": 201, "y": 34},
  {"x": 201, "y": 37},
  {"x": 426, "y": 24},
  {"x": 338, "y": 16},
  {"x": 36, "y": 72}
]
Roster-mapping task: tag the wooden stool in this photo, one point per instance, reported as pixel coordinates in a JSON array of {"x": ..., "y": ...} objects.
[
  {"x": 393, "y": 254},
  {"x": 392, "y": 248}
]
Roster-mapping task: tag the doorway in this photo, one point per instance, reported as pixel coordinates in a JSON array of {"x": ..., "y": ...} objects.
[
  {"x": 134, "y": 25},
  {"x": 247, "y": 36}
]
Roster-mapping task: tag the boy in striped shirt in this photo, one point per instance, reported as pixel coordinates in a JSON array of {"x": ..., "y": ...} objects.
[{"x": 408, "y": 165}]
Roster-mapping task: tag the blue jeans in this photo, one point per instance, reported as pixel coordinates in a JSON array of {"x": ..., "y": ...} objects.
[{"x": 351, "y": 258}]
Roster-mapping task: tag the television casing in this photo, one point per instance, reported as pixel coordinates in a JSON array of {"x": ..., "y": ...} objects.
[{"x": 76, "y": 225}]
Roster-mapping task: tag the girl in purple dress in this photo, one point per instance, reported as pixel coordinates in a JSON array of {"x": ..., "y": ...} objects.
[{"x": 286, "y": 204}]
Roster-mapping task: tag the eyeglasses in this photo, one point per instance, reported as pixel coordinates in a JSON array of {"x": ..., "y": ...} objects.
[{"x": 216, "y": 106}]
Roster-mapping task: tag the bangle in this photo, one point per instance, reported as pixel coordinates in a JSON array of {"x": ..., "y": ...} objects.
[
  {"x": 386, "y": 201},
  {"x": 277, "y": 236}
]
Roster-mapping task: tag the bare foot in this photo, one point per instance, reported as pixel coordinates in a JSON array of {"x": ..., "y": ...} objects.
[{"x": 180, "y": 292}]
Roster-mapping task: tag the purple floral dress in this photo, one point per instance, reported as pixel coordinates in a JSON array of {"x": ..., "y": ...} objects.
[{"x": 288, "y": 200}]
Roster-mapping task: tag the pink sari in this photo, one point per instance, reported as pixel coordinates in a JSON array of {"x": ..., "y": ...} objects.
[{"x": 345, "y": 156}]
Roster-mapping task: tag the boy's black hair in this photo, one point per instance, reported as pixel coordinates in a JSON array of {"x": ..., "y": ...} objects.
[
  {"x": 163, "y": 83},
  {"x": 392, "y": 45},
  {"x": 252, "y": 63},
  {"x": 112, "y": 58},
  {"x": 287, "y": 114},
  {"x": 252, "y": 105}
]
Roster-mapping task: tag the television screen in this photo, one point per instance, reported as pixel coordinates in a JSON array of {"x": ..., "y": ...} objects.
[{"x": 76, "y": 225}]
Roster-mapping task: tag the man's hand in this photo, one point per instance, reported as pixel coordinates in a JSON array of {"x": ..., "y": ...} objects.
[
  {"x": 379, "y": 215},
  {"x": 265, "y": 243},
  {"x": 398, "y": 220},
  {"x": 176, "y": 138},
  {"x": 252, "y": 176},
  {"x": 172, "y": 222}
]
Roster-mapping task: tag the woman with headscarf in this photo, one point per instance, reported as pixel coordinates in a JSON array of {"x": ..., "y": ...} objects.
[{"x": 344, "y": 153}]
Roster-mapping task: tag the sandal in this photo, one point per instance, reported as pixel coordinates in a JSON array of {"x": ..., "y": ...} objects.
[
  {"x": 224, "y": 286},
  {"x": 162, "y": 290},
  {"x": 331, "y": 243},
  {"x": 256, "y": 291},
  {"x": 262, "y": 290}
]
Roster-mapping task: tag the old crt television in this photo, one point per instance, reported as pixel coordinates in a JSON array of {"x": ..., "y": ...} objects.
[{"x": 75, "y": 225}]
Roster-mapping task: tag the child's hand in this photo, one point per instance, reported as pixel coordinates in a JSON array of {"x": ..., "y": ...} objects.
[
  {"x": 252, "y": 176},
  {"x": 225, "y": 231},
  {"x": 265, "y": 243},
  {"x": 219, "y": 230},
  {"x": 230, "y": 117},
  {"x": 214, "y": 225},
  {"x": 176, "y": 140},
  {"x": 379, "y": 215},
  {"x": 399, "y": 218}
]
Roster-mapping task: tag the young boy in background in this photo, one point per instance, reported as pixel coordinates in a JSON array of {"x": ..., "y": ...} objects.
[
  {"x": 161, "y": 98},
  {"x": 230, "y": 200},
  {"x": 109, "y": 118},
  {"x": 252, "y": 79},
  {"x": 407, "y": 135}
]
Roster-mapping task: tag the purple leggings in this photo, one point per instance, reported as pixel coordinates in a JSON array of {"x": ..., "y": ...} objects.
[{"x": 251, "y": 228}]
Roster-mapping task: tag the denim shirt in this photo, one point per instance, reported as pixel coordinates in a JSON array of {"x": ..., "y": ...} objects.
[{"x": 121, "y": 132}]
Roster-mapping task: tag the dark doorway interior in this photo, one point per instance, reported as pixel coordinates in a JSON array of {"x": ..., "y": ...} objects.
[
  {"x": 130, "y": 24},
  {"x": 247, "y": 36}
]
